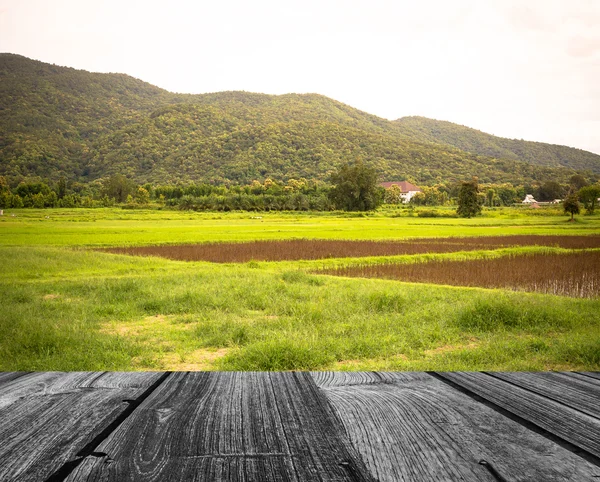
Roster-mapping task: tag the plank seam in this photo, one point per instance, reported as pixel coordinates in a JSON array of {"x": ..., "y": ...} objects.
[
  {"x": 520, "y": 420},
  {"x": 529, "y": 390},
  {"x": 590, "y": 376},
  {"x": 89, "y": 449},
  {"x": 492, "y": 470}
]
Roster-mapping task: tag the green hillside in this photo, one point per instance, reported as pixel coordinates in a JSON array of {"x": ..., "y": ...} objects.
[
  {"x": 61, "y": 122},
  {"x": 472, "y": 140}
]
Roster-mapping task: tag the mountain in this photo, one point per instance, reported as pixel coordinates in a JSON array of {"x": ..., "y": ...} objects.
[
  {"x": 472, "y": 140},
  {"x": 62, "y": 122}
]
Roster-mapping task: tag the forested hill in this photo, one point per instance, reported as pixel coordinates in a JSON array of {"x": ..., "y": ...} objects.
[
  {"x": 61, "y": 122},
  {"x": 472, "y": 140}
]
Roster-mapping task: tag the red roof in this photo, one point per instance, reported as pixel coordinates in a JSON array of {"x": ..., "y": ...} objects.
[{"x": 404, "y": 186}]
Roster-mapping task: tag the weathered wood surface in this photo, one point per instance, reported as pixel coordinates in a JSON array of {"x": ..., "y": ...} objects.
[
  {"x": 320, "y": 426},
  {"x": 580, "y": 393},
  {"x": 229, "y": 426},
  {"x": 417, "y": 428},
  {"x": 567, "y": 423},
  {"x": 46, "y": 418},
  {"x": 6, "y": 377}
]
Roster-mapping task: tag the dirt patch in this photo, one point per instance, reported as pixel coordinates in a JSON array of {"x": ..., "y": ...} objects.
[
  {"x": 357, "y": 365},
  {"x": 198, "y": 360},
  {"x": 297, "y": 249},
  {"x": 575, "y": 274},
  {"x": 440, "y": 350},
  {"x": 151, "y": 325},
  {"x": 50, "y": 297}
]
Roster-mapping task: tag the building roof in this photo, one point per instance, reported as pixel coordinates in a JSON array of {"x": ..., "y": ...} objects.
[{"x": 404, "y": 186}]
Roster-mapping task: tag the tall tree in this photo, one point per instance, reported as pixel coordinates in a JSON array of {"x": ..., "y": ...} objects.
[
  {"x": 571, "y": 204},
  {"x": 550, "y": 190},
  {"x": 355, "y": 188},
  {"x": 577, "y": 181},
  {"x": 118, "y": 187},
  {"x": 589, "y": 196},
  {"x": 468, "y": 202}
]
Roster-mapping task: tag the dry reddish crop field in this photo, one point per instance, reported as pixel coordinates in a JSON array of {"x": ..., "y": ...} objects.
[
  {"x": 303, "y": 249},
  {"x": 574, "y": 274}
]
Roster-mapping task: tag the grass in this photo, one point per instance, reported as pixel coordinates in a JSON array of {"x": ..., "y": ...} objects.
[
  {"x": 116, "y": 227},
  {"x": 69, "y": 308}
]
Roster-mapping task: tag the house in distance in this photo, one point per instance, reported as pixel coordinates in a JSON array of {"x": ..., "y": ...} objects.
[{"x": 407, "y": 189}]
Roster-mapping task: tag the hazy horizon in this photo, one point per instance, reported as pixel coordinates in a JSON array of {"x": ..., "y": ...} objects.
[{"x": 516, "y": 69}]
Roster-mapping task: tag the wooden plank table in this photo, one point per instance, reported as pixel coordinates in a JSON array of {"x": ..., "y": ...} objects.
[{"x": 299, "y": 426}]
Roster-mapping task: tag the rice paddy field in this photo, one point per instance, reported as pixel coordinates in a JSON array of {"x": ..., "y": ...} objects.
[{"x": 112, "y": 289}]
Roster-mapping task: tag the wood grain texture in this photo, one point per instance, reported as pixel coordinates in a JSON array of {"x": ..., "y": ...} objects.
[
  {"x": 567, "y": 423},
  {"x": 577, "y": 393},
  {"x": 335, "y": 379},
  {"x": 595, "y": 375},
  {"x": 582, "y": 376},
  {"x": 48, "y": 417},
  {"x": 228, "y": 426},
  {"x": 6, "y": 377},
  {"x": 420, "y": 429}
]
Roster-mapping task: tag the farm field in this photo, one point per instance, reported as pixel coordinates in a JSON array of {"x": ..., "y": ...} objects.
[
  {"x": 303, "y": 249},
  {"x": 66, "y": 306},
  {"x": 573, "y": 274}
]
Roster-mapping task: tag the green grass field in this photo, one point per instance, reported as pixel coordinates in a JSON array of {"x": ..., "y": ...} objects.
[{"x": 66, "y": 307}]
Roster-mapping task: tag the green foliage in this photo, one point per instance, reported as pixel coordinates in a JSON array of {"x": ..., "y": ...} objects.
[
  {"x": 393, "y": 195},
  {"x": 430, "y": 196},
  {"x": 468, "y": 200},
  {"x": 549, "y": 191},
  {"x": 571, "y": 205},
  {"x": 142, "y": 196},
  {"x": 507, "y": 195},
  {"x": 577, "y": 181},
  {"x": 119, "y": 188},
  {"x": 4, "y": 187},
  {"x": 355, "y": 188},
  {"x": 490, "y": 196},
  {"x": 65, "y": 124},
  {"x": 589, "y": 196},
  {"x": 472, "y": 140}
]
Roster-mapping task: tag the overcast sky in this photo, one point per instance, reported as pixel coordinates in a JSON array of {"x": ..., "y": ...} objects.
[{"x": 523, "y": 69}]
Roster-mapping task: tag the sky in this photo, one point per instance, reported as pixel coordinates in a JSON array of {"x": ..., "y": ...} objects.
[{"x": 523, "y": 69}]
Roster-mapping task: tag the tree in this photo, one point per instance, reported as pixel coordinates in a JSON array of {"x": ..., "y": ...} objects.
[
  {"x": 490, "y": 196},
  {"x": 118, "y": 187},
  {"x": 468, "y": 202},
  {"x": 62, "y": 188},
  {"x": 571, "y": 204},
  {"x": 577, "y": 181},
  {"x": 4, "y": 187},
  {"x": 550, "y": 190},
  {"x": 589, "y": 196},
  {"x": 508, "y": 195},
  {"x": 142, "y": 196},
  {"x": 393, "y": 195},
  {"x": 355, "y": 188}
]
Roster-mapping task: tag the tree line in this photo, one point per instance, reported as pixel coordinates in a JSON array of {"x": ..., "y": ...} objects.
[{"x": 353, "y": 187}]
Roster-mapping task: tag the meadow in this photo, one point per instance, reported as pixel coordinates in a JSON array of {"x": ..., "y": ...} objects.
[{"x": 65, "y": 305}]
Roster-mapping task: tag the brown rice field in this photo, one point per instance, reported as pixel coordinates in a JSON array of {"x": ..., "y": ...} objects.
[
  {"x": 574, "y": 274},
  {"x": 310, "y": 249}
]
